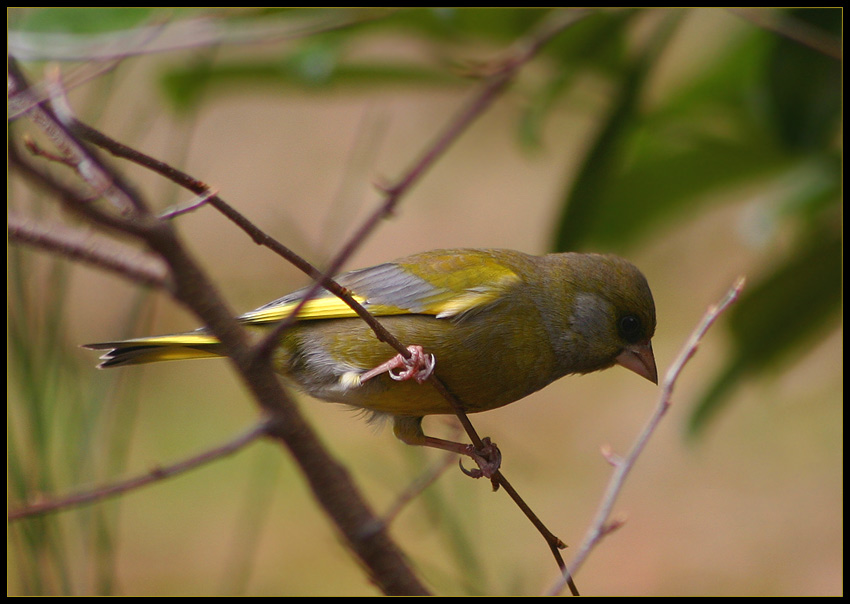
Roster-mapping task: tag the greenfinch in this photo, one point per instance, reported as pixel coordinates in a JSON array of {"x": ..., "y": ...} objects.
[{"x": 493, "y": 325}]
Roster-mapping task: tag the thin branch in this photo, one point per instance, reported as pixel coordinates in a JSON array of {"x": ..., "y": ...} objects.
[
  {"x": 89, "y": 248},
  {"x": 784, "y": 24},
  {"x": 193, "y": 286},
  {"x": 525, "y": 51},
  {"x": 331, "y": 484},
  {"x": 199, "y": 201},
  {"x": 601, "y": 526},
  {"x": 75, "y": 202},
  {"x": 493, "y": 87},
  {"x": 154, "y": 475},
  {"x": 121, "y": 150},
  {"x": 502, "y": 73},
  {"x": 198, "y": 32},
  {"x": 414, "y": 489},
  {"x": 259, "y": 237},
  {"x": 103, "y": 181}
]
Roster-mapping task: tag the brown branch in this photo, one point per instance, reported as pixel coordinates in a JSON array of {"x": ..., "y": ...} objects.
[
  {"x": 784, "y": 24},
  {"x": 104, "y": 182},
  {"x": 196, "y": 292},
  {"x": 259, "y": 237},
  {"x": 601, "y": 525},
  {"x": 420, "y": 483},
  {"x": 502, "y": 73},
  {"x": 416, "y": 487},
  {"x": 329, "y": 481},
  {"x": 91, "y": 249},
  {"x": 121, "y": 150},
  {"x": 157, "y": 474}
]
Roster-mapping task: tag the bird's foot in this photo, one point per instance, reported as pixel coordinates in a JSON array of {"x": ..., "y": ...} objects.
[
  {"x": 418, "y": 367},
  {"x": 488, "y": 458}
]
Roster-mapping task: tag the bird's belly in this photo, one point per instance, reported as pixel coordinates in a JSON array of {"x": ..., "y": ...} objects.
[{"x": 480, "y": 367}]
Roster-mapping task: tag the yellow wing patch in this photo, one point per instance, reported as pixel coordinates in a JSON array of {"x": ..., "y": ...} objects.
[
  {"x": 327, "y": 307},
  {"x": 463, "y": 283},
  {"x": 446, "y": 288},
  {"x": 475, "y": 298}
]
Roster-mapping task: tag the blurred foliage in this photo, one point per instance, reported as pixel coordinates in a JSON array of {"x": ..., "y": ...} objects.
[
  {"x": 59, "y": 435},
  {"x": 767, "y": 109},
  {"x": 72, "y": 20},
  {"x": 781, "y": 103}
]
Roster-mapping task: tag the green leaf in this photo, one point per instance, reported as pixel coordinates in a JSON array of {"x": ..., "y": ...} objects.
[
  {"x": 604, "y": 160},
  {"x": 498, "y": 24},
  {"x": 76, "y": 20},
  {"x": 655, "y": 190},
  {"x": 805, "y": 86},
  {"x": 184, "y": 86},
  {"x": 597, "y": 43},
  {"x": 776, "y": 317}
]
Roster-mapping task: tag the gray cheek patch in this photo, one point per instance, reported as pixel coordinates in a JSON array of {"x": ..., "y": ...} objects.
[{"x": 590, "y": 316}]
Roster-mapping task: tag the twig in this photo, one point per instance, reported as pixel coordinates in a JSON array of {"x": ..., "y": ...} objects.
[
  {"x": 143, "y": 269},
  {"x": 784, "y": 24},
  {"x": 154, "y": 475},
  {"x": 502, "y": 74},
  {"x": 601, "y": 526},
  {"x": 421, "y": 482},
  {"x": 259, "y": 237},
  {"x": 199, "y": 201},
  {"x": 330, "y": 482},
  {"x": 491, "y": 90},
  {"x": 119, "y": 149},
  {"x": 102, "y": 181},
  {"x": 393, "y": 193},
  {"x": 163, "y": 241},
  {"x": 178, "y": 34}
]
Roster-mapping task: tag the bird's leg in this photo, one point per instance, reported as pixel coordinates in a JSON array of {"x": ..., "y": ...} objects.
[
  {"x": 488, "y": 458},
  {"x": 418, "y": 367}
]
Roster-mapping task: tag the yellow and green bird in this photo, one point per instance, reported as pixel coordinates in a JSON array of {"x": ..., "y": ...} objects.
[{"x": 494, "y": 325}]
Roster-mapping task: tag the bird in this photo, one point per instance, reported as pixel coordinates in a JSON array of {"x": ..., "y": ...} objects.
[{"x": 493, "y": 325}]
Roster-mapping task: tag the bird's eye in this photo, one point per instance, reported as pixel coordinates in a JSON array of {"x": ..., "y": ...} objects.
[{"x": 630, "y": 328}]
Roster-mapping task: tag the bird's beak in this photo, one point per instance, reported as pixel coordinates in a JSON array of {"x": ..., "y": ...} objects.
[{"x": 639, "y": 358}]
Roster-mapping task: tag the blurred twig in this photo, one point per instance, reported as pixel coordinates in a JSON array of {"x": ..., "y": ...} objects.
[
  {"x": 794, "y": 29},
  {"x": 192, "y": 288},
  {"x": 500, "y": 74},
  {"x": 38, "y": 508},
  {"x": 85, "y": 247},
  {"x": 330, "y": 482},
  {"x": 601, "y": 525},
  {"x": 416, "y": 487}
]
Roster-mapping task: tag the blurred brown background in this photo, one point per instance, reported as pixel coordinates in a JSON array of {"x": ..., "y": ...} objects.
[{"x": 753, "y": 507}]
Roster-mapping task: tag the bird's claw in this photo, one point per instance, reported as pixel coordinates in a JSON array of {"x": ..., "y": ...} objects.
[
  {"x": 488, "y": 458},
  {"x": 419, "y": 366}
]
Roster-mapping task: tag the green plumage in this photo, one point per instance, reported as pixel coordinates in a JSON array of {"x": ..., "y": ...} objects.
[{"x": 501, "y": 324}]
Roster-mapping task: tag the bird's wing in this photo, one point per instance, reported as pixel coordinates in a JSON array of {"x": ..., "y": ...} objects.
[{"x": 443, "y": 285}]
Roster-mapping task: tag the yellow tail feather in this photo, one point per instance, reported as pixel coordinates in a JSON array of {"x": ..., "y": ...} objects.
[{"x": 176, "y": 347}]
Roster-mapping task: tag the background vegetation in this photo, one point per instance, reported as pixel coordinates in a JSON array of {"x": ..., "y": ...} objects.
[{"x": 702, "y": 144}]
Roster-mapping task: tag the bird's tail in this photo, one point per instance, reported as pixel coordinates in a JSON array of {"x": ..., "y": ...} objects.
[{"x": 193, "y": 345}]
